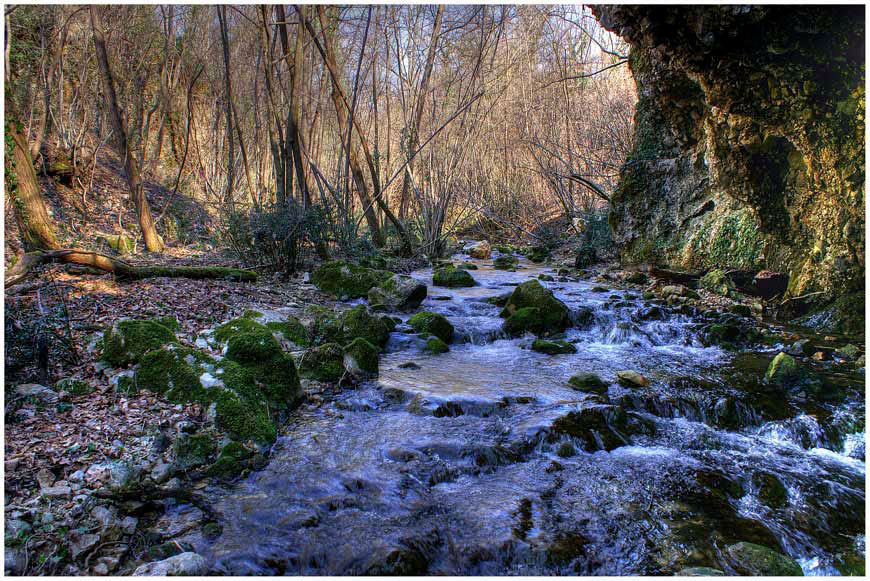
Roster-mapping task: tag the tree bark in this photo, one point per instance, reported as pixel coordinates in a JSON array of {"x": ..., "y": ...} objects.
[
  {"x": 222, "y": 17},
  {"x": 413, "y": 130},
  {"x": 34, "y": 224},
  {"x": 134, "y": 180},
  {"x": 119, "y": 268}
]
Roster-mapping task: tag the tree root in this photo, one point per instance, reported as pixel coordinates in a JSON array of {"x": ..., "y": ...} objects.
[{"x": 119, "y": 268}]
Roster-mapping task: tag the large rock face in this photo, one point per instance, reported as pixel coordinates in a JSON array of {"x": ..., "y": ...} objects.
[{"x": 750, "y": 141}]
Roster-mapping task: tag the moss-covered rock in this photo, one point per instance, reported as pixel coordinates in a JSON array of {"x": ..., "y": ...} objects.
[
  {"x": 716, "y": 281},
  {"x": 784, "y": 370},
  {"x": 631, "y": 379},
  {"x": 505, "y": 262},
  {"x": 553, "y": 347},
  {"x": 127, "y": 341},
  {"x": 346, "y": 280},
  {"x": 361, "y": 358},
  {"x": 434, "y": 324},
  {"x": 230, "y": 461},
  {"x": 120, "y": 243},
  {"x": 552, "y": 315},
  {"x": 770, "y": 489},
  {"x": 323, "y": 363},
  {"x": 290, "y": 329},
  {"x": 358, "y": 322},
  {"x": 193, "y": 450},
  {"x": 74, "y": 386},
  {"x": 588, "y": 382},
  {"x": 452, "y": 277},
  {"x": 436, "y": 346},
  {"x": 538, "y": 254},
  {"x": 399, "y": 292},
  {"x": 752, "y": 559},
  {"x": 524, "y": 320}
]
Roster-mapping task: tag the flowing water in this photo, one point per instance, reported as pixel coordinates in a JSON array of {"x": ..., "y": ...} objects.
[{"x": 484, "y": 460}]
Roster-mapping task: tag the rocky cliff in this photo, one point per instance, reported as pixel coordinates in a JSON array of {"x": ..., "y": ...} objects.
[{"x": 750, "y": 143}]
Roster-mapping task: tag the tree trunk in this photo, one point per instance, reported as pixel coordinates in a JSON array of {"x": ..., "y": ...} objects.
[
  {"x": 134, "y": 180},
  {"x": 119, "y": 268},
  {"x": 34, "y": 224},
  {"x": 222, "y": 17},
  {"x": 414, "y": 128}
]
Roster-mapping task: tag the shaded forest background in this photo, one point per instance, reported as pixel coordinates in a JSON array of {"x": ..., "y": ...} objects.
[{"x": 276, "y": 131}]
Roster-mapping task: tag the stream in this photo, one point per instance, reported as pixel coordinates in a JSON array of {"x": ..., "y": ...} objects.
[{"x": 473, "y": 462}]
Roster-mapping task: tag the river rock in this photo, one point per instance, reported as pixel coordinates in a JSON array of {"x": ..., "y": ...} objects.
[
  {"x": 531, "y": 307},
  {"x": 752, "y": 559},
  {"x": 588, "y": 382},
  {"x": 480, "y": 250},
  {"x": 553, "y": 347},
  {"x": 361, "y": 358},
  {"x": 800, "y": 348},
  {"x": 400, "y": 292},
  {"x": 81, "y": 542},
  {"x": 598, "y": 427},
  {"x": 674, "y": 290},
  {"x": 632, "y": 379},
  {"x": 848, "y": 351},
  {"x": 185, "y": 564},
  {"x": 716, "y": 281},
  {"x": 162, "y": 472},
  {"x": 433, "y": 324},
  {"x": 452, "y": 277},
  {"x": 784, "y": 369}
]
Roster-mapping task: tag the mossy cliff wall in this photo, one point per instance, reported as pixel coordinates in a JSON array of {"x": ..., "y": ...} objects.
[{"x": 750, "y": 141}]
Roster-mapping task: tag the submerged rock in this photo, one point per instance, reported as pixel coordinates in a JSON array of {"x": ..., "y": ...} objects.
[
  {"x": 505, "y": 263},
  {"x": 452, "y": 277},
  {"x": 399, "y": 292},
  {"x": 553, "y": 347},
  {"x": 436, "y": 346},
  {"x": 346, "y": 280},
  {"x": 599, "y": 427},
  {"x": 752, "y": 559},
  {"x": 588, "y": 382}
]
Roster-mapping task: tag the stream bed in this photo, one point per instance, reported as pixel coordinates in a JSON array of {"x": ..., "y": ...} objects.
[{"x": 484, "y": 460}]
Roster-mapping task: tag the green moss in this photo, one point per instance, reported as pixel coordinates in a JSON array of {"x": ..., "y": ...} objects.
[
  {"x": 553, "y": 347},
  {"x": 436, "y": 346},
  {"x": 552, "y": 313},
  {"x": 783, "y": 369},
  {"x": 452, "y": 277},
  {"x": 252, "y": 314},
  {"x": 292, "y": 330},
  {"x": 230, "y": 461},
  {"x": 361, "y": 357},
  {"x": 192, "y": 451},
  {"x": 244, "y": 419},
  {"x": 752, "y": 559},
  {"x": 588, "y": 382},
  {"x": 433, "y": 323},
  {"x": 359, "y": 323},
  {"x": 524, "y": 320},
  {"x": 127, "y": 341},
  {"x": 74, "y": 386},
  {"x": 737, "y": 243},
  {"x": 343, "y": 279},
  {"x": 174, "y": 372},
  {"x": 253, "y": 347},
  {"x": 236, "y": 327},
  {"x": 323, "y": 363},
  {"x": 505, "y": 263}
]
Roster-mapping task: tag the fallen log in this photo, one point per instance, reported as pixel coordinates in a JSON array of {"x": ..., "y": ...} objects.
[
  {"x": 119, "y": 268},
  {"x": 684, "y": 278}
]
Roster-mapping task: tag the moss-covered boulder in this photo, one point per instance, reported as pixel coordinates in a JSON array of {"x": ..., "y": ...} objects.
[
  {"x": 361, "y": 358},
  {"x": 755, "y": 560},
  {"x": 400, "y": 292},
  {"x": 588, "y": 382},
  {"x": 346, "y": 280},
  {"x": 127, "y": 341},
  {"x": 784, "y": 370},
  {"x": 553, "y": 347},
  {"x": 290, "y": 329},
  {"x": 505, "y": 262},
  {"x": 435, "y": 346},
  {"x": 358, "y": 322},
  {"x": 248, "y": 389},
  {"x": 434, "y": 324},
  {"x": 323, "y": 363},
  {"x": 550, "y": 315},
  {"x": 452, "y": 277},
  {"x": 118, "y": 242},
  {"x": 716, "y": 281}
]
